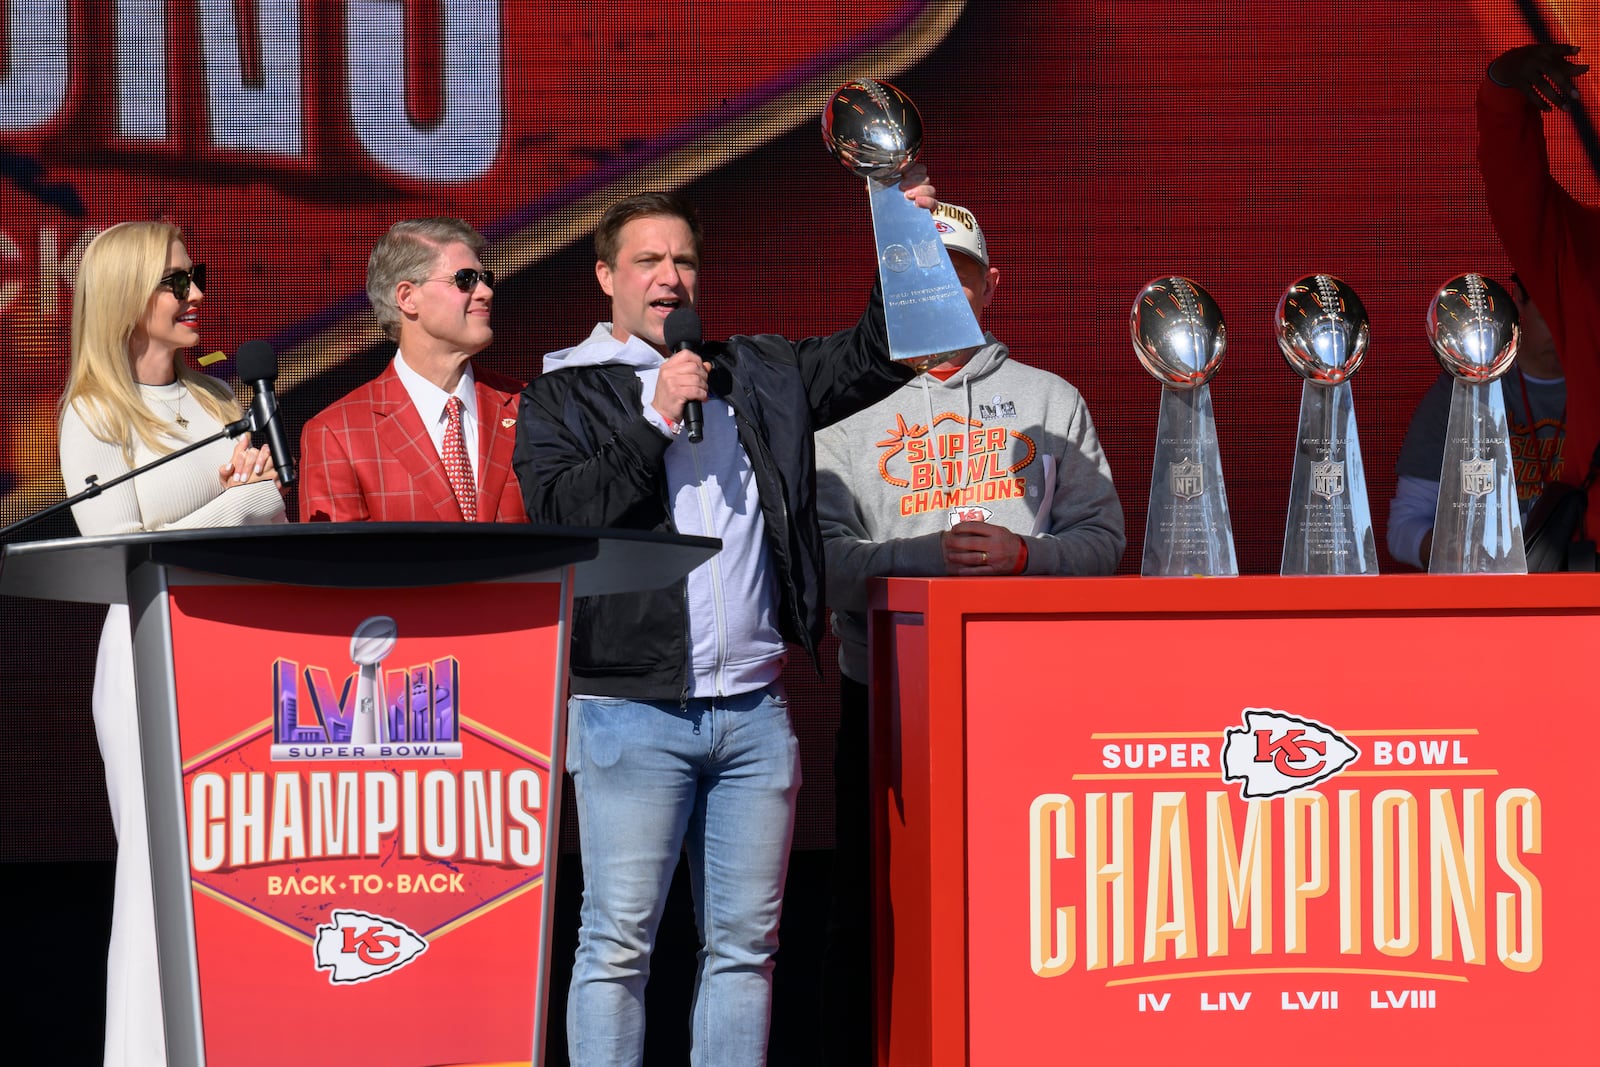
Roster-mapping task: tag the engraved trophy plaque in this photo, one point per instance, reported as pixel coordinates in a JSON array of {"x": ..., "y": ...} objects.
[
  {"x": 1322, "y": 332},
  {"x": 875, "y": 131},
  {"x": 1477, "y": 527},
  {"x": 1180, "y": 338}
]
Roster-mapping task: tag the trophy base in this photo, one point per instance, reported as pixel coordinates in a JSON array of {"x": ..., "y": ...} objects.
[
  {"x": 1477, "y": 526},
  {"x": 1329, "y": 528},
  {"x": 1187, "y": 530},
  {"x": 928, "y": 318}
]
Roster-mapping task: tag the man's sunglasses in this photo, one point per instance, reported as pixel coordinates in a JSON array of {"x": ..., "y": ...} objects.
[
  {"x": 467, "y": 278},
  {"x": 180, "y": 281}
]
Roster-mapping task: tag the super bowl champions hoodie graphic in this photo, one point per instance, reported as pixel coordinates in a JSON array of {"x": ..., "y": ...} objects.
[{"x": 997, "y": 442}]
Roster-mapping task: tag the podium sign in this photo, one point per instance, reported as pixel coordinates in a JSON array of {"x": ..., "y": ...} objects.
[
  {"x": 390, "y": 894},
  {"x": 351, "y": 772},
  {"x": 1390, "y": 864}
]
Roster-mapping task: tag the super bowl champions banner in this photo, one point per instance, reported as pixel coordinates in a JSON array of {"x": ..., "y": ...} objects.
[
  {"x": 367, "y": 783},
  {"x": 1259, "y": 843},
  {"x": 1389, "y": 861}
]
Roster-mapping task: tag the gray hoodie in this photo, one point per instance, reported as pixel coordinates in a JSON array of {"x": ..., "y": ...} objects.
[
  {"x": 735, "y": 643},
  {"x": 998, "y": 441}
]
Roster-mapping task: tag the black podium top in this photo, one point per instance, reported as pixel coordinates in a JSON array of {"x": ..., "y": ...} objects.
[{"x": 355, "y": 555}]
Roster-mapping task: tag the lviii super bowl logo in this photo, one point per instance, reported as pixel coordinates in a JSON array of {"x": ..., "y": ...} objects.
[
  {"x": 1330, "y": 863},
  {"x": 405, "y": 713},
  {"x": 372, "y": 807}
]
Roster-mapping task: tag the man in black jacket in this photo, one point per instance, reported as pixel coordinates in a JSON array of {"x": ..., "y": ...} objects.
[{"x": 678, "y": 729}]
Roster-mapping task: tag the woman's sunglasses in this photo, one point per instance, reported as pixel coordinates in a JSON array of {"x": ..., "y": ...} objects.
[{"x": 180, "y": 281}]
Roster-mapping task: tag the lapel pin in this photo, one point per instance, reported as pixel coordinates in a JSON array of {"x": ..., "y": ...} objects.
[{"x": 506, "y": 424}]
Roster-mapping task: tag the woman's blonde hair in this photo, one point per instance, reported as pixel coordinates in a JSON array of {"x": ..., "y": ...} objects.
[{"x": 120, "y": 272}]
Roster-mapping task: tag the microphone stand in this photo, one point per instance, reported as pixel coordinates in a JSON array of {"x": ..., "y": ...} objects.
[{"x": 95, "y": 488}]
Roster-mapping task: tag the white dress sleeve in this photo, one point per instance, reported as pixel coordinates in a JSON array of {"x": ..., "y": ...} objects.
[{"x": 186, "y": 493}]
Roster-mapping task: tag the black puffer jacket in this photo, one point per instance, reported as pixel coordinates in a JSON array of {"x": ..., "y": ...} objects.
[{"x": 586, "y": 456}]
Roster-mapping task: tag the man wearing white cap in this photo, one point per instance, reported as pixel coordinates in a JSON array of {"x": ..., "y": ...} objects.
[{"x": 981, "y": 467}]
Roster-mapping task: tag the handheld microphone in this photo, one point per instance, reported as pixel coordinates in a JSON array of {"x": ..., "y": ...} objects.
[
  {"x": 257, "y": 364},
  {"x": 683, "y": 331}
]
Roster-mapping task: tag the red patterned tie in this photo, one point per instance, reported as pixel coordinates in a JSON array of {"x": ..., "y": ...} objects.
[{"x": 457, "y": 464}]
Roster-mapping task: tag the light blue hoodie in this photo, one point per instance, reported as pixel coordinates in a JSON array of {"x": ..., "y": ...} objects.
[{"x": 735, "y": 645}]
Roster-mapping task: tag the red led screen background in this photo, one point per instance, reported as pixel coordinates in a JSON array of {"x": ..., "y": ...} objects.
[{"x": 1101, "y": 145}]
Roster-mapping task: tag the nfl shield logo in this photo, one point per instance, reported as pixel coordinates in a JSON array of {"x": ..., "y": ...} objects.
[
  {"x": 1477, "y": 477},
  {"x": 1327, "y": 478},
  {"x": 1187, "y": 480}
]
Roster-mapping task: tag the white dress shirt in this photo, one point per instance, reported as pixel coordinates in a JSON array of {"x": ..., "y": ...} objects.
[{"x": 430, "y": 401}]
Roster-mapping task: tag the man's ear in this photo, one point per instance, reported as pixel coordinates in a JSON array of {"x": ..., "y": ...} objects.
[
  {"x": 405, "y": 297},
  {"x": 991, "y": 283},
  {"x": 602, "y": 272}
]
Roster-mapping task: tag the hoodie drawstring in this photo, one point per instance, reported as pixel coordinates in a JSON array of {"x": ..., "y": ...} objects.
[{"x": 963, "y": 459}]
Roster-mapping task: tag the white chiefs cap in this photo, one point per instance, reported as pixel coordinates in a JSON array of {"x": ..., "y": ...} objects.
[{"x": 960, "y": 231}]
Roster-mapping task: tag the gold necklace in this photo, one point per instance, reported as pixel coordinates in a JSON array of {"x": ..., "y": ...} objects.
[{"x": 177, "y": 412}]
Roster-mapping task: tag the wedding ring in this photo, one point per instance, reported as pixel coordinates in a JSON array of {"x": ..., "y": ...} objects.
[{"x": 984, "y": 556}]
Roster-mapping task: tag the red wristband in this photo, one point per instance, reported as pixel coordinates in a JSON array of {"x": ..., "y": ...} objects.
[{"x": 1022, "y": 556}]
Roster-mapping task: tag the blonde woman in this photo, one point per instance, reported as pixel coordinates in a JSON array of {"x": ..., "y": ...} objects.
[{"x": 130, "y": 398}]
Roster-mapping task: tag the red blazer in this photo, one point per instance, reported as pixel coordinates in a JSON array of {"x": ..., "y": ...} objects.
[{"x": 369, "y": 457}]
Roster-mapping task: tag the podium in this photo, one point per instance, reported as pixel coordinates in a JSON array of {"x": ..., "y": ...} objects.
[
  {"x": 351, "y": 737},
  {"x": 1125, "y": 820}
]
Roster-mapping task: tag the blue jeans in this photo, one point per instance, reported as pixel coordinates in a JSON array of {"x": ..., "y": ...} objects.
[{"x": 721, "y": 775}]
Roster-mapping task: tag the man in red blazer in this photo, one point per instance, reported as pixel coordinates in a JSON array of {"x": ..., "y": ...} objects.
[{"x": 429, "y": 439}]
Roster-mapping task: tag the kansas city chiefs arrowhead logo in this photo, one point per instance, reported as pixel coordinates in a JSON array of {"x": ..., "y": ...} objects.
[
  {"x": 358, "y": 946},
  {"x": 1275, "y": 753},
  {"x": 970, "y": 513}
]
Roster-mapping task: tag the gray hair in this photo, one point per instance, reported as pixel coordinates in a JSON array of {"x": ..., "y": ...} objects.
[{"x": 406, "y": 254}]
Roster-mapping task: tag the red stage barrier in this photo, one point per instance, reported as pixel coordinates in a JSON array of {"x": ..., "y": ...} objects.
[
  {"x": 1069, "y": 869},
  {"x": 357, "y": 877},
  {"x": 351, "y": 737}
]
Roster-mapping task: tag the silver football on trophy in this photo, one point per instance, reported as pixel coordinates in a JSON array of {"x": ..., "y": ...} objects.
[
  {"x": 1322, "y": 329},
  {"x": 873, "y": 129},
  {"x": 1178, "y": 332},
  {"x": 1473, "y": 327},
  {"x": 373, "y": 640}
]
